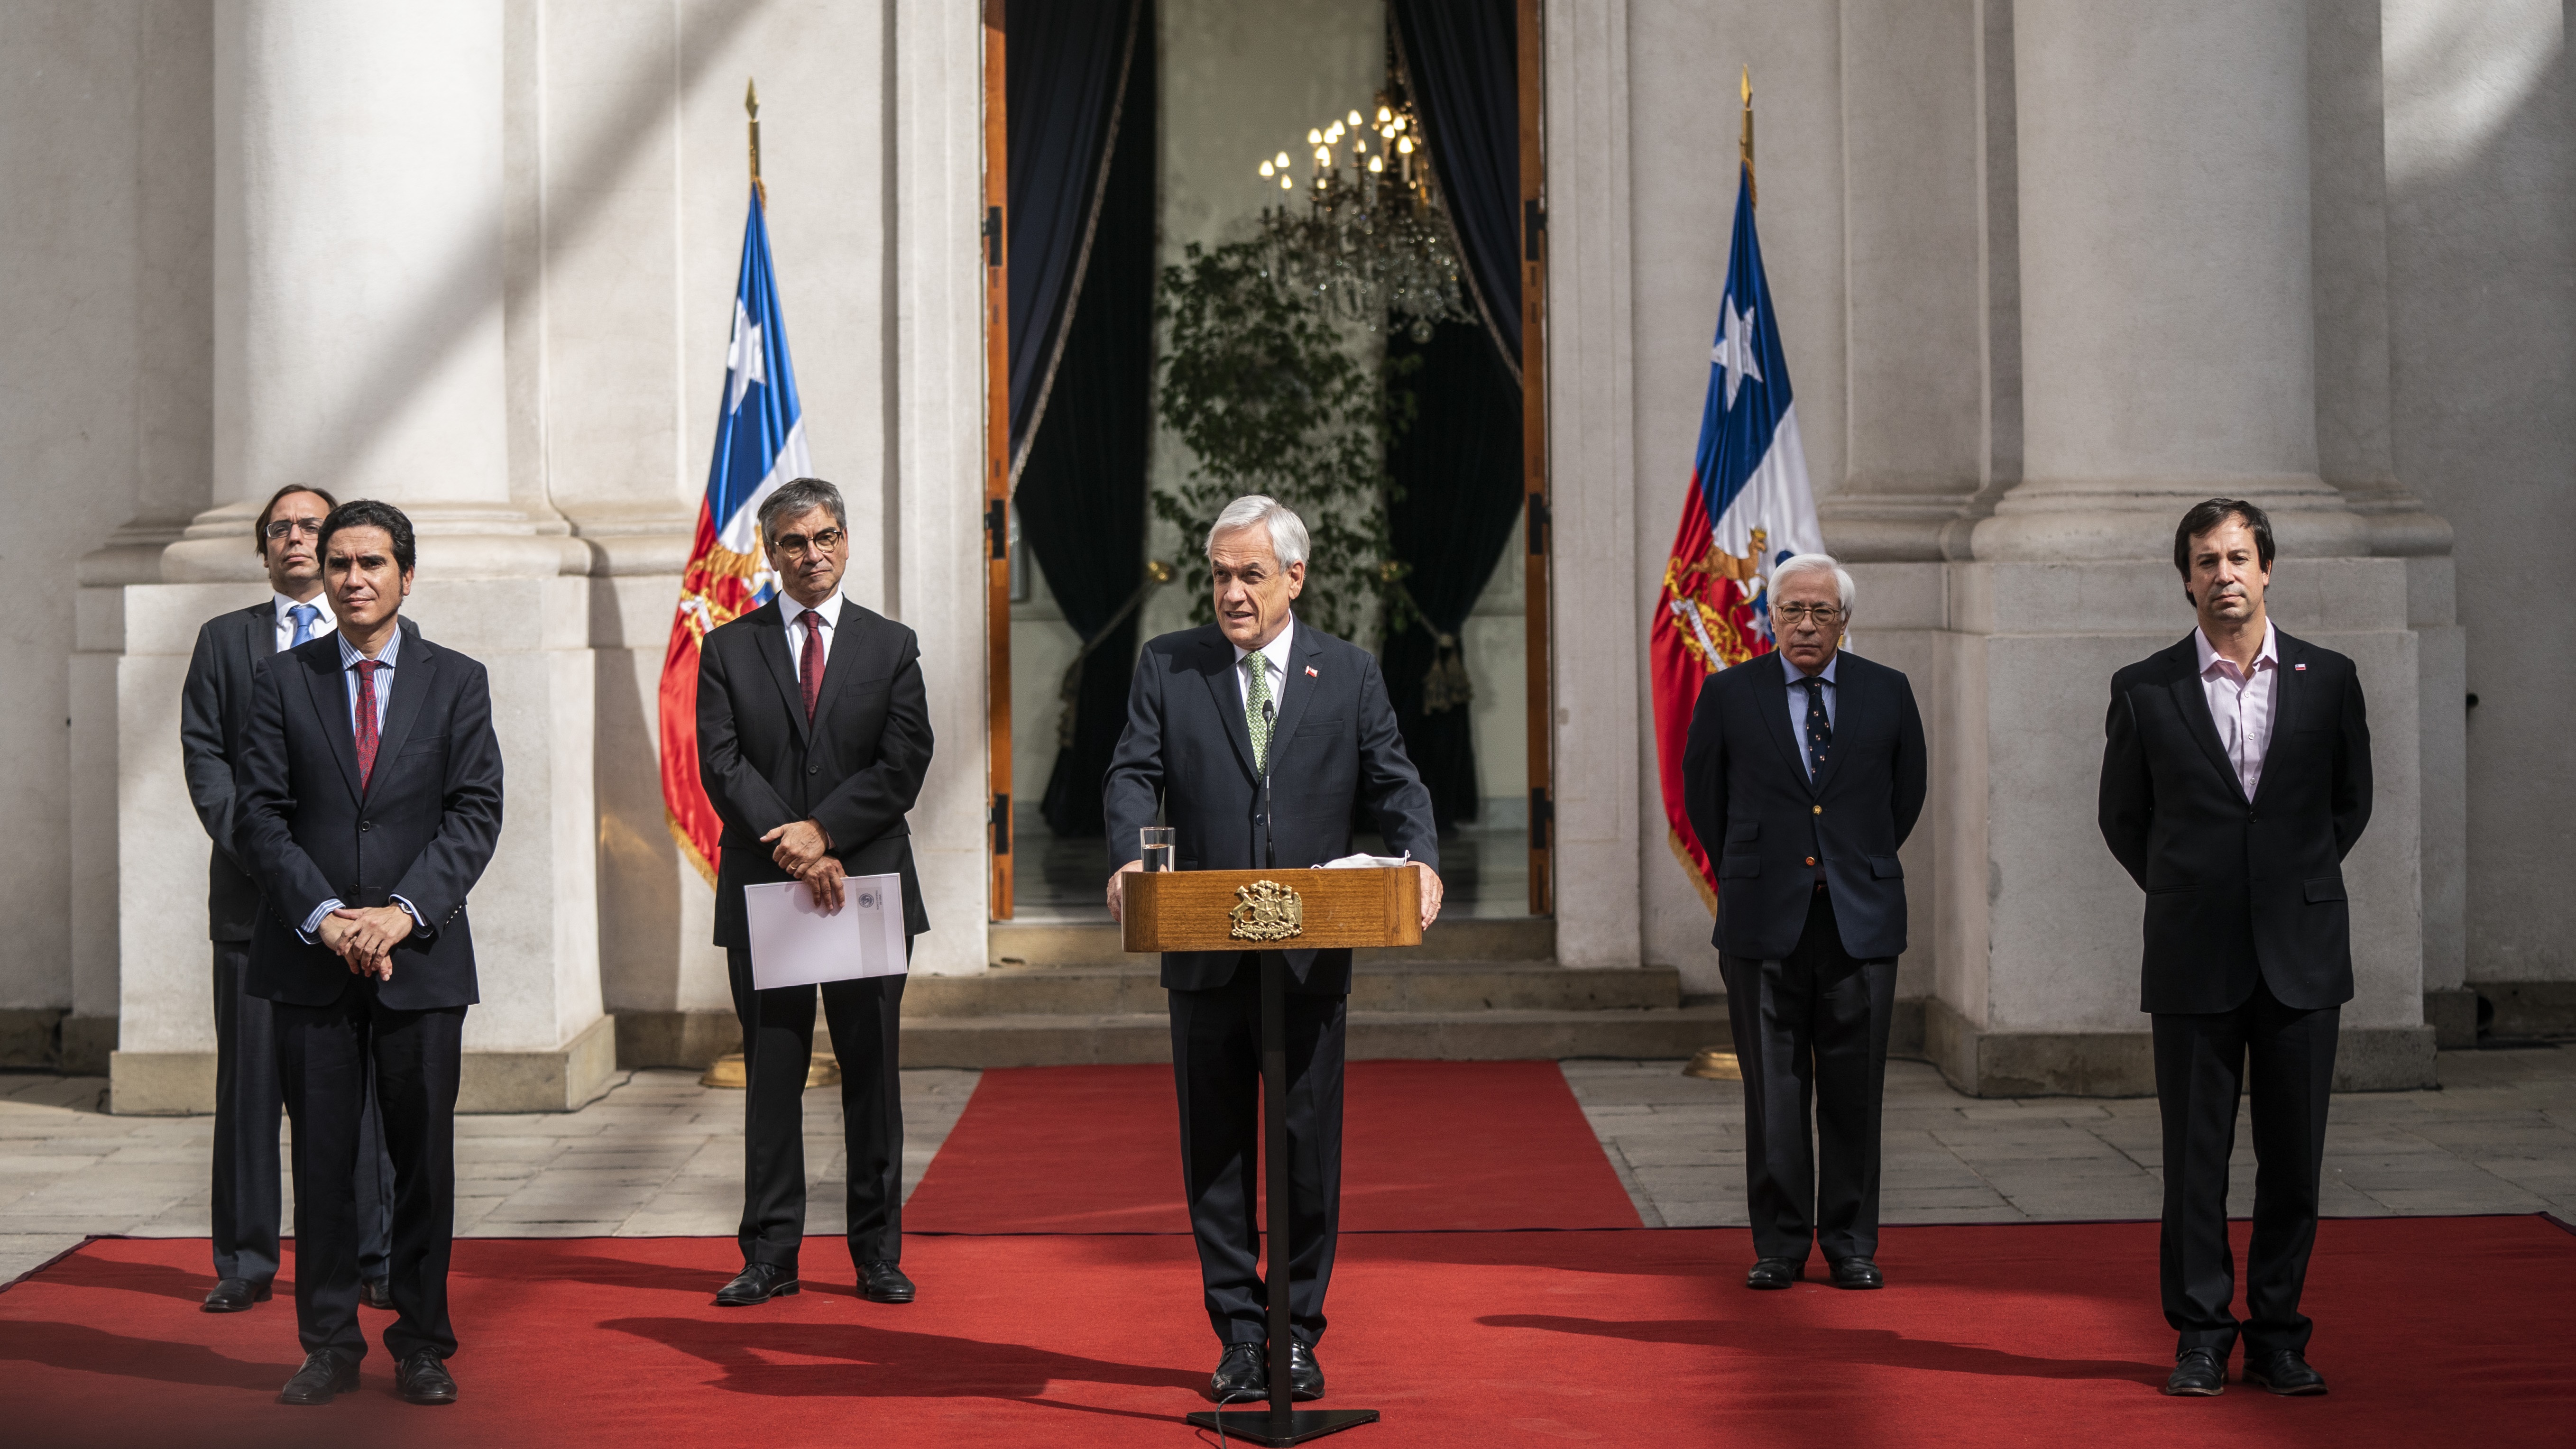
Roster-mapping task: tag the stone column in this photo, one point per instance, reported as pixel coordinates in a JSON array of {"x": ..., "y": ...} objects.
[
  {"x": 359, "y": 307},
  {"x": 2167, "y": 347}
]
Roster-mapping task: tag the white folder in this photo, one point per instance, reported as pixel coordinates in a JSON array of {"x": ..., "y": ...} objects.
[{"x": 793, "y": 943}]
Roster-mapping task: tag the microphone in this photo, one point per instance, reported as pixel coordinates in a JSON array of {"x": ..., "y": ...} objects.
[{"x": 1269, "y": 839}]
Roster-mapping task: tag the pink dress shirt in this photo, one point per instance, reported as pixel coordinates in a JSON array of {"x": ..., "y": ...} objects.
[{"x": 2241, "y": 703}]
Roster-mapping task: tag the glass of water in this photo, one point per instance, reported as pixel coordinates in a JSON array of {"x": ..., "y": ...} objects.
[{"x": 1157, "y": 841}]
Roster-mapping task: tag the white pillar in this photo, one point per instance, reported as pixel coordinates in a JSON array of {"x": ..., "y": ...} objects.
[
  {"x": 2167, "y": 326},
  {"x": 359, "y": 347},
  {"x": 2167, "y": 339}
]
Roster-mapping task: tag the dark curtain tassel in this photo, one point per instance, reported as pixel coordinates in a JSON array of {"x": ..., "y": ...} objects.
[
  {"x": 1459, "y": 466},
  {"x": 1463, "y": 59},
  {"x": 1081, "y": 494}
]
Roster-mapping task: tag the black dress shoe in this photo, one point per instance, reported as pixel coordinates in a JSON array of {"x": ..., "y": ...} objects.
[
  {"x": 376, "y": 1293},
  {"x": 883, "y": 1282},
  {"x": 232, "y": 1295},
  {"x": 1857, "y": 1272},
  {"x": 326, "y": 1375},
  {"x": 2284, "y": 1372},
  {"x": 423, "y": 1379},
  {"x": 756, "y": 1283},
  {"x": 2199, "y": 1373},
  {"x": 1774, "y": 1273},
  {"x": 1240, "y": 1376},
  {"x": 1305, "y": 1376}
]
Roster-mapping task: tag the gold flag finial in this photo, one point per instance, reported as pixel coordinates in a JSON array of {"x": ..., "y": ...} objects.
[
  {"x": 751, "y": 107},
  {"x": 1752, "y": 193}
]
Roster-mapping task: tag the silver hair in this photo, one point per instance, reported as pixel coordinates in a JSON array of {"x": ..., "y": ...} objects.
[
  {"x": 1816, "y": 563},
  {"x": 1287, "y": 530},
  {"x": 797, "y": 497}
]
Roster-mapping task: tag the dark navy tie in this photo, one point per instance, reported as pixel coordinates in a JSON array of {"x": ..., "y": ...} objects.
[{"x": 1820, "y": 727}]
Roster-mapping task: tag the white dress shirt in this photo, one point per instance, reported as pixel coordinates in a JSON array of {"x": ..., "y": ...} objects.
[
  {"x": 384, "y": 687},
  {"x": 323, "y": 622},
  {"x": 2241, "y": 703},
  {"x": 1798, "y": 704},
  {"x": 827, "y": 614},
  {"x": 1274, "y": 662}
]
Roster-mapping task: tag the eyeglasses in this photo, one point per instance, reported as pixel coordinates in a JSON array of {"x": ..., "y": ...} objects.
[
  {"x": 1795, "y": 613},
  {"x": 281, "y": 527},
  {"x": 796, "y": 545}
]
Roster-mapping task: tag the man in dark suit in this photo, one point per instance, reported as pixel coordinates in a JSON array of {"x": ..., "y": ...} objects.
[
  {"x": 1804, "y": 772},
  {"x": 813, "y": 738},
  {"x": 2235, "y": 778},
  {"x": 212, "y": 706},
  {"x": 369, "y": 789},
  {"x": 1211, "y": 709}
]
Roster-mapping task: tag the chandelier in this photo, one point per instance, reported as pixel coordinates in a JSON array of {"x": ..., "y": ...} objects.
[{"x": 1372, "y": 244}]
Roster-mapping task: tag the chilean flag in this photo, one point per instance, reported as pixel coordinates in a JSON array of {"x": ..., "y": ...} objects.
[
  {"x": 760, "y": 443},
  {"x": 1748, "y": 509}
]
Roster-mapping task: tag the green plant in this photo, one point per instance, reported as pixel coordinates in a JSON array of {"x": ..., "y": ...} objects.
[{"x": 1270, "y": 397}]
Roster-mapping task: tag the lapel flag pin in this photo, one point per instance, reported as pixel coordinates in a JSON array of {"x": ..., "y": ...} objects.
[
  {"x": 2294, "y": 669},
  {"x": 1311, "y": 674}
]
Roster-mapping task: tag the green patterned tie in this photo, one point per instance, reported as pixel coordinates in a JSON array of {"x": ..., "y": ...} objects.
[{"x": 1256, "y": 693}]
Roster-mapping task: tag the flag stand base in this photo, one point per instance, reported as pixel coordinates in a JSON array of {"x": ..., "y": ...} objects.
[{"x": 1263, "y": 1426}]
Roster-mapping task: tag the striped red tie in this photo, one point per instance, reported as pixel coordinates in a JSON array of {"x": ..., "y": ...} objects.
[
  {"x": 366, "y": 718},
  {"x": 809, "y": 670}
]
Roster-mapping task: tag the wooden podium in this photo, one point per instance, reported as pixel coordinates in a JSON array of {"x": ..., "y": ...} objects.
[{"x": 1273, "y": 911}]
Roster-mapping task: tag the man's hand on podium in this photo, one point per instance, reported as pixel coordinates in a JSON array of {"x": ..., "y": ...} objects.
[
  {"x": 1430, "y": 894},
  {"x": 1117, "y": 894}
]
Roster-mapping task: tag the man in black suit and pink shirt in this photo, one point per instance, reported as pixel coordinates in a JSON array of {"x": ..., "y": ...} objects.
[
  {"x": 2235, "y": 779},
  {"x": 369, "y": 785}
]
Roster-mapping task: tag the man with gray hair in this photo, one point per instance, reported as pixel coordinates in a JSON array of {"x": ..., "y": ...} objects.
[
  {"x": 1803, "y": 774},
  {"x": 813, "y": 738},
  {"x": 1213, "y": 713}
]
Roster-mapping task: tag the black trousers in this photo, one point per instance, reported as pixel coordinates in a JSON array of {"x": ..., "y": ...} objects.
[
  {"x": 777, "y": 1049},
  {"x": 245, "y": 1203},
  {"x": 1216, "y": 1067},
  {"x": 2286, "y": 1058},
  {"x": 1811, "y": 1038},
  {"x": 325, "y": 1057}
]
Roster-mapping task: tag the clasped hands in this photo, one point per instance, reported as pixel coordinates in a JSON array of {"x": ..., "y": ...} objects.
[
  {"x": 803, "y": 850},
  {"x": 365, "y": 937},
  {"x": 1429, "y": 886}
]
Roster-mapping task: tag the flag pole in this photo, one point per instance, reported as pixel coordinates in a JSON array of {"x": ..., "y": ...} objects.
[
  {"x": 751, "y": 106},
  {"x": 1744, "y": 147}
]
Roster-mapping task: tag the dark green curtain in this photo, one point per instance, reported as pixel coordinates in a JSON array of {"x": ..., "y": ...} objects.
[
  {"x": 1081, "y": 495},
  {"x": 1459, "y": 466}
]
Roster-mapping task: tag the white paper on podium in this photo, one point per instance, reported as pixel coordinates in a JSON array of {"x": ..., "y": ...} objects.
[{"x": 794, "y": 944}]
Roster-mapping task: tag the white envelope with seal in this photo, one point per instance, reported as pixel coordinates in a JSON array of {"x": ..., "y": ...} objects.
[{"x": 793, "y": 943}]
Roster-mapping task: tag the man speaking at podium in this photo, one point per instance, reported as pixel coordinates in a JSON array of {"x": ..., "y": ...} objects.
[{"x": 1211, "y": 713}]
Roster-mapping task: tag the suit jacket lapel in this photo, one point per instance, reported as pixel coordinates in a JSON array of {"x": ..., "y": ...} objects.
[
  {"x": 1774, "y": 680},
  {"x": 771, "y": 640},
  {"x": 414, "y": 670},
  {"x": 1216, "y": 665},
  {"x": 330, "y": 695},
  {"x": 2287, "y": 685},
  {"x": 2196, "y": 716},
  {"x": 259, "y": 633},
  {"x": 1848, "y": 702},
  {"x": 840, "y": 663},
  {"x": 1296, "y": 688}
]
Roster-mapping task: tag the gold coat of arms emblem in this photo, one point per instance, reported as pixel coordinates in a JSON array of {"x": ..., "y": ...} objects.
[{"x": 1266, "y": 911}]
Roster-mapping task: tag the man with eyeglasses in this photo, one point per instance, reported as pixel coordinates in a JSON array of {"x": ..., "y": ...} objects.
[
  {"x": 1804, "y": 772},
  {"x": 813, "y": 738},
  {"x": 212, "y": 707}
]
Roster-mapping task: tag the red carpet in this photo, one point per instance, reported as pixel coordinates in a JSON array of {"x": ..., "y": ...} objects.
[
  {"x": 1426, "y": 1147},
  {"x": 2433, "y": 1331}
]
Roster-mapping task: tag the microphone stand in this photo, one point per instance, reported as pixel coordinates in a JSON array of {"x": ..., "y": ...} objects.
[{"x": 1280, "y": 1423}]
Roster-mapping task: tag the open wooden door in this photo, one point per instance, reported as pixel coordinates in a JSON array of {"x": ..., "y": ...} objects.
[
  {"x": 1535, "y": 520},
  {"x": 997, "y": 470}
]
